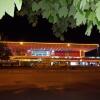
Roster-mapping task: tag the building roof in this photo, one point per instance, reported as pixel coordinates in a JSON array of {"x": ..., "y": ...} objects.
[{"x": 55, "y": 46}]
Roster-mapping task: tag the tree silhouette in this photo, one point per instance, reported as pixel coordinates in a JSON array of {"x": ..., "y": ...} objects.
[{"x": 5, "y": 52}]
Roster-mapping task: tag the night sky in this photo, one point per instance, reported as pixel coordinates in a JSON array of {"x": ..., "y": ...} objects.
[{"x": 19, "y": 29}]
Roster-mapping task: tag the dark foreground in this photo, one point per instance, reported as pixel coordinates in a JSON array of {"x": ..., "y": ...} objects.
[{"x": 28, "y": 84}]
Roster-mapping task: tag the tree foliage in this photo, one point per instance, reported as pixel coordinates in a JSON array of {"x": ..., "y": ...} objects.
[
  {"x": 61, "y": 13},
  {"x": 8, "y": 6}
]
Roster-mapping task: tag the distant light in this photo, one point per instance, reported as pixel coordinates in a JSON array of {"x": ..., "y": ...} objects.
[
  {"x": 66, "y": 57},
  {"x": 29, "y": 51},
  {"x": 68, "y": 44},
  {"x": 92, "y": 57},
  {"x": 74, "y": 63},
  {"x": 98, "y": 45},
  {"x": 52, "y": 63},
  {"x": 55, "y": 57},
  {"x": 53, "y": 51},
  {"x": 21, "y": 43},
  {"x": 84, "y": 51},
  {"x": 81, "y": 60},
  {"x": 97, "y": 57}
]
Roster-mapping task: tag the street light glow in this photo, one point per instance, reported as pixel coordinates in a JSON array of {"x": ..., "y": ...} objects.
[
  {"x": 68, "y": 44},
  {"x": 21, "y": 43}
]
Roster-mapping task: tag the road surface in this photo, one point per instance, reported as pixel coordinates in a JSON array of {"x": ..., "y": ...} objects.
[{"x": 28, "y": 84}]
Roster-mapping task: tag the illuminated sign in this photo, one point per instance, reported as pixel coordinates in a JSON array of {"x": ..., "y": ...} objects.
[{"x": 40, "y": 53}]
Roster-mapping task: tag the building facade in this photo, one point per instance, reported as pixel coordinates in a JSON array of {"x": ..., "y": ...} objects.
[
  {"x": 40, "y": 49},
  {"x": 31, "y": 51}
]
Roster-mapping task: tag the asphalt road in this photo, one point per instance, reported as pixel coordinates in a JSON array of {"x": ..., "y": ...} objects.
[{"x": 31, "y": 84}]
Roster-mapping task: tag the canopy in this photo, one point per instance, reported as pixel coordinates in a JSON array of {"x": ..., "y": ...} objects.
[{"x": 53, "y": 46}]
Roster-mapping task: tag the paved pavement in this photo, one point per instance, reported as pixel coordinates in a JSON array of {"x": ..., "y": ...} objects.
[{"x": 30, "y": 84}]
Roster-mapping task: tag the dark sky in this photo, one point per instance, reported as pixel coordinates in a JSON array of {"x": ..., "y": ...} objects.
[{"x": 18, "y": 29}]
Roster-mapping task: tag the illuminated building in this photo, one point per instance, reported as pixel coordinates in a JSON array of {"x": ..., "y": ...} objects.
[{"x": 62, "y": 51}]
